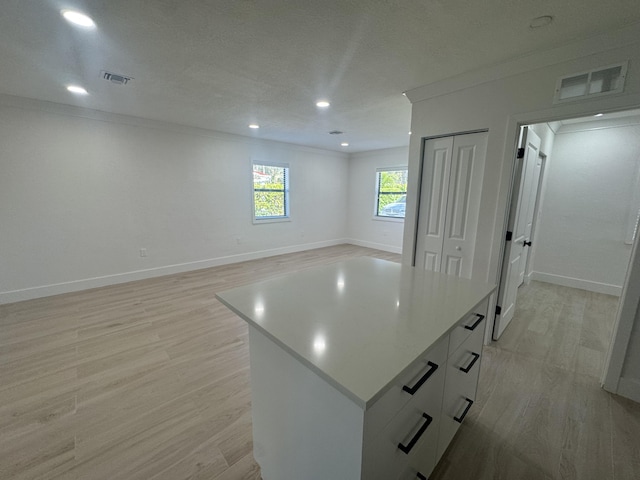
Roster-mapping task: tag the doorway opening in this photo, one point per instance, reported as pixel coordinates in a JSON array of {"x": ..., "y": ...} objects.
[{"x": 572, "y": 223}]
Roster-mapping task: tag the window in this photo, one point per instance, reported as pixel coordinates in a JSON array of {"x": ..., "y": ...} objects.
[
  {"x": 270, "y": 191},
  {"x": 391, "y": 187}
]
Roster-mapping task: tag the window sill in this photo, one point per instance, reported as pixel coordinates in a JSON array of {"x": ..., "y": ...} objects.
[
  {"x": 388, "y": 219},
  {"x": 259, "y": 221}
]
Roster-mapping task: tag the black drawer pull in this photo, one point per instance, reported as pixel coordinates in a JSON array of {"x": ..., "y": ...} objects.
[
  {"x": 466, "y": 410},
  {"x": 419, "y": 383},
  {"x": 476, "y": 323},
  {"x": 421, "y": 476},
  {"x": 473, "y": 362},
  {"x": 407, "y": 448}
]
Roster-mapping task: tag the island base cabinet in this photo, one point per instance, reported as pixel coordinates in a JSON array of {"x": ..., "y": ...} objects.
[{"x": 303, "y": 428}]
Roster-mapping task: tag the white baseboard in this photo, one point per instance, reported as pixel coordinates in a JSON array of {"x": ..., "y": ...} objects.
[
  {"x": 629, "y": 388},
  {"x": 377, "y": 246},
  {"x": 87, "y": 283},
  {"x": 577, "y": 283}
]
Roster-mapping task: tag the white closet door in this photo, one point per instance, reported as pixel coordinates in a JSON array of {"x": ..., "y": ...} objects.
[
  {"x": 452, "y": 173},
  {"x": 463, "y": 204},
  {"x": 436, "y": 169}
]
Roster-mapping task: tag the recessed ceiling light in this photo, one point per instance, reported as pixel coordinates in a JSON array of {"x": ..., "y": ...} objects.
[
  {"x": 598, "y": 114},
  {"x": 78, "y": 18},
  {"x": 254, "y": 126},
  {"x": 77, "y": 90},
  {"x": 409, "y": 133},
  {"x": 344, "y": 144},
  {"x": 322, "y": 104},
  {"x": 542, "y": 21}
]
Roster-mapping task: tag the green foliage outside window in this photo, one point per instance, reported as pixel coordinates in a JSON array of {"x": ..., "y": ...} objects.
[
  {"x": 269, "y": 204},
  {"x": 392, "y": 191},
  {"x": 270, "y": 191}
]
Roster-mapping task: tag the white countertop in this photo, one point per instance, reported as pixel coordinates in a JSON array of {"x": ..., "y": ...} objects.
[{"x": 359, "y": 323}]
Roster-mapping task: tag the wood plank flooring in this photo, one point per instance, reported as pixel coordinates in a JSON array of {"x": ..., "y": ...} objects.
[
  {"x": 150, "y": 380},
  {"x": 541, "y": 412},
  {"x": 145, "y": 380}
]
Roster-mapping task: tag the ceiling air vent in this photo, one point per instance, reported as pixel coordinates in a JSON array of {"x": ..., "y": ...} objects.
[
  {"x": 116, "y": 78},
  {"x": 601, "y": 81}
]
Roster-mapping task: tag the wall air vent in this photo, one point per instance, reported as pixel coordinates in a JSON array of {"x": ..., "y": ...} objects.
[
  {"x": 116, "y": 78},
  {"x": 601, "y": 81}
]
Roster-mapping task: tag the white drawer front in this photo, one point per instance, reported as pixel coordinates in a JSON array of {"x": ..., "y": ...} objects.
[
  {"x": 397, "y": 397},
  {"x": 461, "y": 384},
  {"x": 471, "y": 323},
  {"x": 409, "y": 440}
]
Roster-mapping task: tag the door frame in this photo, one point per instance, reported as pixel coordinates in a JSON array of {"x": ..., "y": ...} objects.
[{"x": 630, "y": 297}]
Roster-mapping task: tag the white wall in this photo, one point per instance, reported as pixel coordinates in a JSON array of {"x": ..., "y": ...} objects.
[
  {"x": 80, "y": 196},
  {"x": 499, "y": 99},
  {"x": 582, "y": 223},
  {"x": 363, "y": 227}
]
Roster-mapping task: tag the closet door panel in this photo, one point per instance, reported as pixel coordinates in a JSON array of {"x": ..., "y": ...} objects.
[
  {"x": 463, "y": 203},
  {"x": 436, "y": 171}
]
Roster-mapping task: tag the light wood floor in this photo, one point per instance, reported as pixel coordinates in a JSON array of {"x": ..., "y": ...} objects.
[
  {"x": 542, "y": 414},
  {"x": 145, "y": 380},
  {"x": 149, "y": 380}
]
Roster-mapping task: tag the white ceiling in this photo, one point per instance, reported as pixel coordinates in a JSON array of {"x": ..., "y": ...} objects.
[{"x": 221, "y": 65}]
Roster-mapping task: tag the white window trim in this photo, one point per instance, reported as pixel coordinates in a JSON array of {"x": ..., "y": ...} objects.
[
  {"x": 287, "y": 218},
  {"x": 382, "y": 218}
]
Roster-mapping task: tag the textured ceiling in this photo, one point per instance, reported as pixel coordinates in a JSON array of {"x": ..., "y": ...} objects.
[{"x": 221, "y": 65}]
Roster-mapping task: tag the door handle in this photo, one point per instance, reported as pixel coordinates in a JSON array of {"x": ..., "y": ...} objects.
[{"x": 526, "y": 244}]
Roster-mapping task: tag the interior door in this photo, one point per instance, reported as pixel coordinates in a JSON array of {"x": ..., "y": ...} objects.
[
  {"x": 452, "y": 173},
  {"x": 516, "y": 231},
  {"x": 531, "y": 212},
  {"x": 463, "y": 203},
  {"x": 436, "y": 170}
]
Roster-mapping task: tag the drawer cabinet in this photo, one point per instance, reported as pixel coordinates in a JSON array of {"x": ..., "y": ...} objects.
[
  {"x": 463, "y": 367},
  {"x": 426, "y": 421},
  {"x": 408, "y": 441},
  {"x": 424, "y": 375}
]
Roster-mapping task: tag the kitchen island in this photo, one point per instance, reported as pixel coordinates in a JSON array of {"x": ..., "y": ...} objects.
[{"x": 362, "y": 369}]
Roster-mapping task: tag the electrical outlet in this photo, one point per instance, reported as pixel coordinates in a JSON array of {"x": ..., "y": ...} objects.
[{"x": 143, "y": 252}]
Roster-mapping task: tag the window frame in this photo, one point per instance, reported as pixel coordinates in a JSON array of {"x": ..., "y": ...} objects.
[
  {"x": 379, "y": 170},
  {"x": 286, "y": 191}
]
